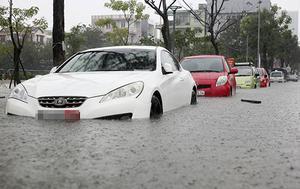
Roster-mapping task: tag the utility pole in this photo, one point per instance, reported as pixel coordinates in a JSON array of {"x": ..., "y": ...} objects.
[
  {"x": 258, "y": 35},
  {"x": 174, "y": 9}
]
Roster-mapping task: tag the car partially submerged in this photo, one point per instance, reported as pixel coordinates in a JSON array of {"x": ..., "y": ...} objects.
[
  {"x": 114, "y": 82},
  {"x": 277, "y": 76},
  {"x": 292, "y": 77},
  {"x": 247, "y": 76},
  {"x": 264, "y": 77},
  {"x": 212, "y": 74}
]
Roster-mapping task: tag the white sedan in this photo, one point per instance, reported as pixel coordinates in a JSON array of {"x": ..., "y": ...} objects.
[{"x": 112, "y": 82}]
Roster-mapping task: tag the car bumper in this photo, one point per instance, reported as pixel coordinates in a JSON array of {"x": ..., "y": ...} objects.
[
  {"x": 277, "y": 80},
  {"x": 245, "y": 85},
  {"x": 90, "y": 109},
  {"x": 215, "y": 91},
  {"x": 263, "y": 84}
]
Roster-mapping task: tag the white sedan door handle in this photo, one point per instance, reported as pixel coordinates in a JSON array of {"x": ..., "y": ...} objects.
[{"x": 181, "y": 79}]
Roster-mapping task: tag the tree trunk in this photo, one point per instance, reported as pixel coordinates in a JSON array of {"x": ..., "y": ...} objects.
[
  {"x": 128, "y": 33},
  {"x": 17, "y": 60},
  {"x": 215, "y": 45},
  {"x": 165, "y": 30},
  {"x": 58, "y": 32}
]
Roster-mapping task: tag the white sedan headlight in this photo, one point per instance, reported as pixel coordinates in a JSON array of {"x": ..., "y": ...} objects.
[
  {"x": 19, "y": 93},
  {"x": 221, "y": 81},
  {"x": 132, "y": 89}
]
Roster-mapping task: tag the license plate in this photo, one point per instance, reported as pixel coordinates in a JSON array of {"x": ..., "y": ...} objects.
[
  {"x": 200, "y": 93},
  {"x": 58, "y": 114}
]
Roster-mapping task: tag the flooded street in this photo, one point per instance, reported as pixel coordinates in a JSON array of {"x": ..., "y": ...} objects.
[{"x": 219, "y": 143}]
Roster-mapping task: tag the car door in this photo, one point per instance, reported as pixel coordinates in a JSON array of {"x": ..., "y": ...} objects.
[{"x": 172, "y": 84}]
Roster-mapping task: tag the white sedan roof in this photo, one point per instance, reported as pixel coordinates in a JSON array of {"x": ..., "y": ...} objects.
[{"x": 122, "y": 47}]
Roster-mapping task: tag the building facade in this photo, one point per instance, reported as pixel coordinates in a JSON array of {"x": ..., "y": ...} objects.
[
  {"x": 137, "y": 30},
  {"x": 36, "y": 36},
  {"x": 184, "y": 20},
  {"x": 240, "y": 6},
  {"x": 235, "y": 9}
]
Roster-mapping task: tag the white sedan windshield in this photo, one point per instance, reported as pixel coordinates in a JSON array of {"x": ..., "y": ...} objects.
[{"x": 116, "y": 60}]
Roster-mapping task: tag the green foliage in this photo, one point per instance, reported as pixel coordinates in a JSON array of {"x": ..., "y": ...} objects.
[
  {"x": 117, "y": 36},
  {"x": 75, "y": 39},
  {"x": 233, "y": 44},
  {"x": 188, "y": 43},
  {"x": 132, "y": 10},
  {"x": 6, "y": 55},
  {"x": 105, "y": 22},
  {"x": 150, "y": 41},
  {"x": 37, "y": 56}
]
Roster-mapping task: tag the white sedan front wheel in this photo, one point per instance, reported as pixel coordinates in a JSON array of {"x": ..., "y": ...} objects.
[{"x": 156, "y": 108}]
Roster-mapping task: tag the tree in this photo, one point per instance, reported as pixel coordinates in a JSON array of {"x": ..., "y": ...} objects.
[
  {"x": 118, "y": 36},
  {"x": 20, "y": 23},
  {"x": 58, "y": 33},
  {"x": 161, "y": 8},
  {"x": 94, "y": 38},
  {"x": 188, "y": 43},
  {"x": 289, "y": 48},
  {"x": 214, "y": 21},
  {"x": 150, "y": 41},
  {"x": 75, "y": 39},
  {"x": 132, "y": 12},
  {"x": 6, "y": 55},
  {"x": 84, "y": 37},
  {"x": 37, "y": 56},
  {"x": 273, "y": 27},
  {"x": 233, "y": 44}
]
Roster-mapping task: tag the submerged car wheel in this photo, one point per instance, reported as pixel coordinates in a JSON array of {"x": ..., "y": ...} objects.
[
  {"x": 156, "y": 108},
  {"x": 194, "y": 98}
]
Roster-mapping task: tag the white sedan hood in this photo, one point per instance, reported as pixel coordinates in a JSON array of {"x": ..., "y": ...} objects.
[{"x": 86, "y": 84}]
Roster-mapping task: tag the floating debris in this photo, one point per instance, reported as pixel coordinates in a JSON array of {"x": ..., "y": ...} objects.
[{"x": 251, "y": 101}]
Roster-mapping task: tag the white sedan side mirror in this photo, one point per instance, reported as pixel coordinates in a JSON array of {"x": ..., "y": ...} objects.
[
  {"x": 53, "y": 69},
  {"x": 168, "y": 68}
]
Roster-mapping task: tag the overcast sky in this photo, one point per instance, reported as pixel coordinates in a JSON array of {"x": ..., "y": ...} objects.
[{"x": 80, "y": 11}]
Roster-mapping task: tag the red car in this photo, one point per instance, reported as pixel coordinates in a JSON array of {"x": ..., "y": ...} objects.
[
  {"x": 264, "y": 77},
  {"x": 212, "y": 74}
]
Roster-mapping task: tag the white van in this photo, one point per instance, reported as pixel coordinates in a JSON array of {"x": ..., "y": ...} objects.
[{"x": 277, "y": 76}]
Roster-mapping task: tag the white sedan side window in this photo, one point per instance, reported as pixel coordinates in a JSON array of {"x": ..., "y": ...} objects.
[{"x": 167, "y": 58}]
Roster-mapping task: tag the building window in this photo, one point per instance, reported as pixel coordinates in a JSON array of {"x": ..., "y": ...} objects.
[{"x": 183, "y": 19}]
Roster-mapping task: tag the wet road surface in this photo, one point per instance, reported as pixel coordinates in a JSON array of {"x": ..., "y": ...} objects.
[{"x": 220, "y": 143}]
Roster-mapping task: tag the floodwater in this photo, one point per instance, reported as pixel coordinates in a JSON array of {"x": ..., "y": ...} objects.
[{"x": 219, "y": 143}]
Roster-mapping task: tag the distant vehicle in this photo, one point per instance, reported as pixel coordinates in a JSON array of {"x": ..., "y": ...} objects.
[
  {"x": 212, "y": 74},
  {"x": 247, "y": 76},
  {"x": 264, "y": 77},
  {"x": 277, "y": 76},
  {"x": 293, "y": 77},
  {"x": 112, "y": 82},
  {"x": 283, "y": 70}
]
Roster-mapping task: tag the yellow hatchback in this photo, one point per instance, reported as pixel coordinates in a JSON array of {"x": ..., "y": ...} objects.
[{"x": 247, "y": 77}]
